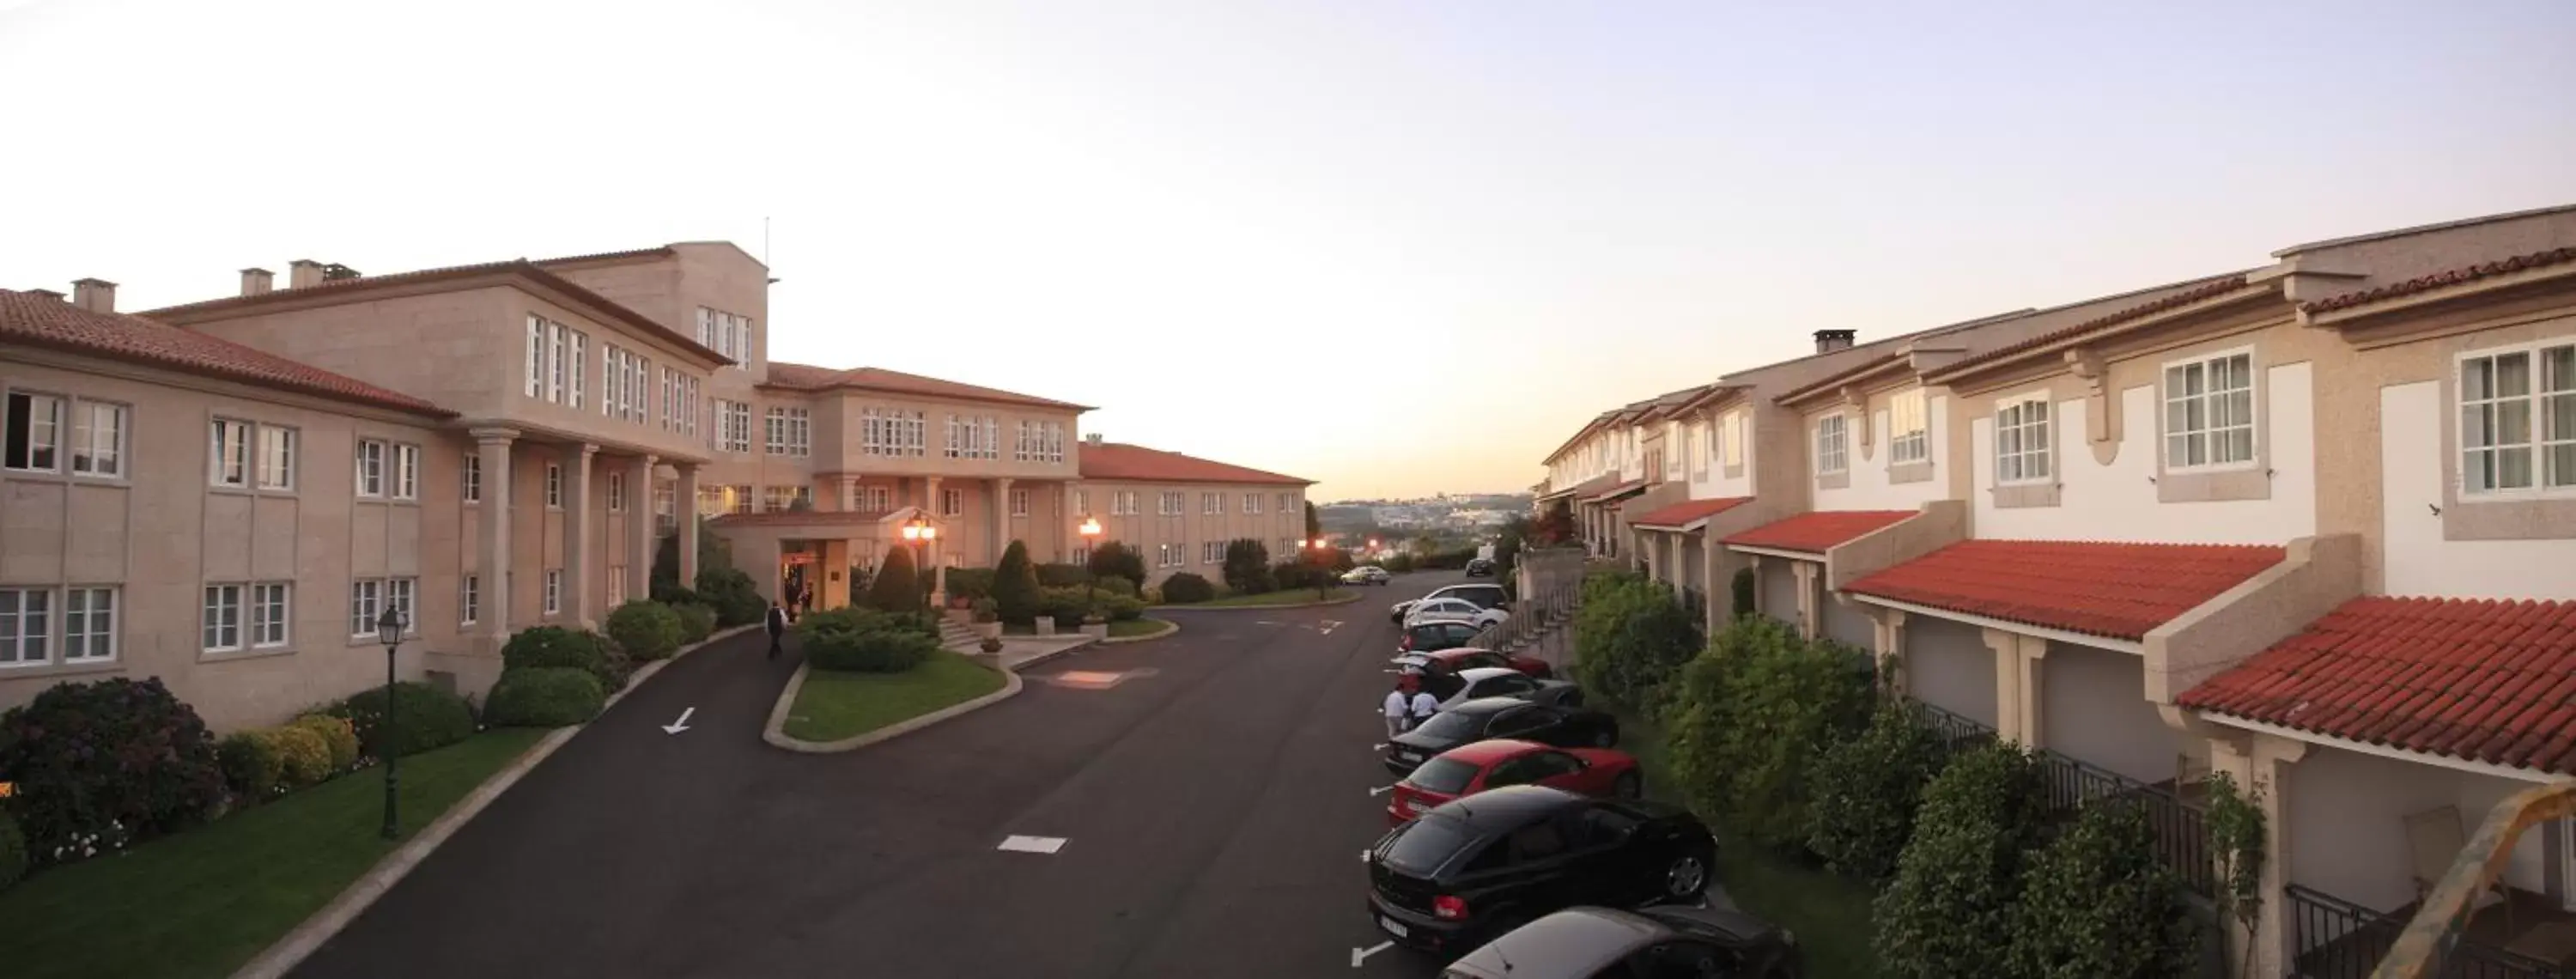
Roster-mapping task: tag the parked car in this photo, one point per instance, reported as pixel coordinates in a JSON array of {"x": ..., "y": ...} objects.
[
  {"x": 1366, "y": 574},
  {"x": 1500, "y": 717},
  {"x": 1455, "y": 610},
  {"x": 1428, "y": 637},
  {"x": 1480, "y": 568},
  {"x": 1484, "y": 595},
  {"x": 1503, "y": 681},
  {"x": 1484, "y": 765},
  {"x": 1471, "y": 870},
  {"x": 1682, "y": 941},
  {"x": 1472, "y": 657}
]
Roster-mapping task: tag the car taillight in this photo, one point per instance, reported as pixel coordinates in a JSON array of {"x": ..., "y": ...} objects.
[
  {"x": 1407, "y": 645},
  {"x": 1448, "y": 908}
]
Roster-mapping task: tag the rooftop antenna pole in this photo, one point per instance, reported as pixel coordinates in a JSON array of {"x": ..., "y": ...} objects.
[{"x": 764, "y": 240}]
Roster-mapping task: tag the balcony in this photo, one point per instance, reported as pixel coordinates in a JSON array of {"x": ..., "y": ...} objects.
[{"x": 2525, "y": 936}]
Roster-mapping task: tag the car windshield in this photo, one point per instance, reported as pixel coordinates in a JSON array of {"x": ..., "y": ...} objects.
[
  {"x": 1426, "y": 844},
  {"x": 1450, "y": 725},
  {"x": 1447, "y": 776}
]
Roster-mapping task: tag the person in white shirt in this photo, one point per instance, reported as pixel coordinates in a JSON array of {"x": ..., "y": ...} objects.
[
  {"x": 1424, "y": 705},
  {"x": 1395, "y": 709}
]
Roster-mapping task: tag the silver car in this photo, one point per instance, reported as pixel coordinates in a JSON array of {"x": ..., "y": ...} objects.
[
  {"x": 1454, "y": 610},
  {"x": 1689, "y": 941}
]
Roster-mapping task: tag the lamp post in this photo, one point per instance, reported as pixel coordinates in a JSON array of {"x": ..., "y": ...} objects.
[
  {"x": 1090, "y": 531},
  {"x": 389, "y": 629},
  {"x": 919, "y": 533},
  {"x": 1323, "y": 568}
]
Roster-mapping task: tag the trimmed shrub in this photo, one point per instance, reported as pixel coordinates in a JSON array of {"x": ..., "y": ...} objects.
[
  {"x": 2097, "y": 904},
  {"x": 864, "y": 646},
  {"x": 1059, "y": 575},
  {"x": 972, "y": 583},
  {"x": 1247, "y": 567},
  {"x": 1866, "y": 790},
  {"x": 1122, "y": 608},
  {"x": 1113, "y": 586},
  {"x": 1630, "y": 640},
  {"x": 984, "y": 610},
  {"x": 1950, "y": 908},
  {"x": 676, "y": 595},
  {"x": 896, "y": 588},
  {"x": 1290, "y": 576},
  {"x": 1398, "y": 564},
  {"x": 1758, "y": 709},
  {"x": 100, "y": 765},
  {"x": 1116, "y": 560},
  {"x": 13, "y": 852},
  {"x": 544, "y": 697},
  {"x": 647, "y": 630},
  {"x": 1015, "y": 585},
  {"x": 251, "y": 763},
  {"x": 552, "y": 647},
  {"x": 428, "y": 717},
  {"x": 1067, "y": 606},
  {"x": 697, "y": 621},
  {"x": 304, "y": 758},
  {"x": 340, "y": 739},
  {"x": 1186, "y": 588},
  {"x": 736, "y": 599}
]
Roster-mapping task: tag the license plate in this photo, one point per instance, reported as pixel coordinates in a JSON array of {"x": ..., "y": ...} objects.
[
  {"x": 1393, "y": 927},
  {"x": 1407, "y": 756}
]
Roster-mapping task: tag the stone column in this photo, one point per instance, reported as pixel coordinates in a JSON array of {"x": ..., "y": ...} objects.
[
  {"x": 1001, "y": 521},
  {"x": 639, "y": 528},
  {"x": 492, "y": 556},
  {"x": 687, "y": 506},
  {"x": 1065, "y": 517},
  {"x": 1721, "y": 591},
  {"x": 1811, "y": 598},
  {"x": 2257, "y": 763},
  {"x": 932, "y": 555},
  {"x": 1754, "y": 561},
  {"x": 2018, "y": 685},
  {"x": 576, "y": 535}
]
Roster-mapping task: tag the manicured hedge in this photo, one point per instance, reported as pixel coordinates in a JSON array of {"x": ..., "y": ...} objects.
[
  {"x": 1866, "y": 791},
  {"x": 14, "y": 857},
  {"x": 428, "y": 717},
  {"x": 1122, "y": 608},
  {"x": 1631, "y": 639},
  {"x": 973, "y": 583},
  {"x": 1950, "y": 909},
  {"x": 339, "y": 738},
  {"x": 647, "y": 630},
  {"x": 1014, "y": 588},
  {"x": 697, "y": 621},
  {"x": 1068, "y": 606},
  {"x": 736, "y": 599},
  {"x": 2098, "y": 904},
  {"x": 103, "y": 764},
  {"x": 1186, "y": 588},
  {"x": 1058, "y": 575},
  {"x": 304, "y": 758},
  {"x": 252, "y": 766},
  {"x": 862, "y": 641},
  {"x": 555, "y": 647},
  {"x": 545, "y": 697}
]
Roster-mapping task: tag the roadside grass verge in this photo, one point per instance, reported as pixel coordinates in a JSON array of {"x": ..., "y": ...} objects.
[
  {"x": 834, "y": 705},
  {"x": 1293, "y": 596},
  {"x": 1829, "y": 913},
  {"x": 204, "y": 901},
  {"x": 1139, "y": 628}
]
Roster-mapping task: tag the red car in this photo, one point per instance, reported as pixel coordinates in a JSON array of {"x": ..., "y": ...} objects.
[
  {"x": 1471, "y": 768},
  {"x": 1452, "y": 662}
]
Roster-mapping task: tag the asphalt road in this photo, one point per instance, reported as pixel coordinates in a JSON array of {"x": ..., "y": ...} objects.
[{"x": 1213, "y": 803}]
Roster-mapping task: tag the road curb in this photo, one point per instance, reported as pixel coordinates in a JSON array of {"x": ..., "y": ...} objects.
[
  {"x": 282, "y": 956},
  {"x": 1169, "y": 627},
  {"x": 1345, "y": 600},
  {"x": 776, "y": 733}
]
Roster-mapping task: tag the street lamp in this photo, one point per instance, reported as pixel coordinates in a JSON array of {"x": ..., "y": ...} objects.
[
  {"x": 919, "y": 533},
  {"x": 1090, "y": 531},
  {"x": 389, "y": 630},
  {"x": 1323, "y": 568}
]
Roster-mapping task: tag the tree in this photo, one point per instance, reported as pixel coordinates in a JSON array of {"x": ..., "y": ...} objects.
[
  {"x": 1865, "y": 791},
  {"x": 1314, "y": 523},
  {"x": 1015, "y": 585},
  {"x": 1952, "y": 904},
  {"x": 1247, "y": 567},
  {"x": 2098, "y": 904},
  {"x": 896, "y": 588},
  {"x": 1117, "y": 560},
  {"x": 1556, "y": 526}
]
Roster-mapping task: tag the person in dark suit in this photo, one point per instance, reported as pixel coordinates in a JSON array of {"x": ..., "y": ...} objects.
[{"x": 777, "y": 628}]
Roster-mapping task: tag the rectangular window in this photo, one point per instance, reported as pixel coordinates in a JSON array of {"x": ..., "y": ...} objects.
[
  {"x": 991, "y": 444},
  {"x": 1909, "y": 437},
  {"x": 1167, "y": 504},
  {"x": 733, "y": 425},
  {"x": 953, "y": 444},
  {"x": 98, "y": 439},
  {"x": 616, "y": 492},
  {"x": 371, "y": 467},
  {"x": 2503, "y": 447},
  {"x": 2209, "y": 412},
  {"x": 556, "y": 340},
  {"x": 739, "y": 499},
  {"x": 1252, "y": 503},
  {"x": 1082, "y": 502},
  {"x": 880, "y": 499},
  {"x": 406, "y": 472},
  {"x": 272, "y": 606},
  {"x": 1287, "y": 503},
  {"x": 228, "y": 452},
  {"x": 790, "y": 432},
  {"x": 473, "y": 477},
  {"x": 221, "y": 623},
  {"x": 554, "y": 486},
  {"x": 616, "y": 585},
  {"x": 1124, "y": 503},
  {"x": 554, "y": 591},
  {"x": 398, "y": 596},
  {"x": 26, "y": 626},
  {"x": 1019, "y": 503},
  {"x": 276, "y": 458},
  {"x": 536, "y": 356},
  {"x": 952, "y": 503},
  {"x": 579, "y": 355},
  {"x": 366, "y": 604},
  {"x": 1734, "y": 440},
  {"x": 2021, "y": 442},
  {"x": 470, "y": 599},
  {"x": 1211, "y": 503},
  {"x": 89, "y": 625},
  {"x": 1833, "y": 445},
  {"x": 1020, "y": 442}
]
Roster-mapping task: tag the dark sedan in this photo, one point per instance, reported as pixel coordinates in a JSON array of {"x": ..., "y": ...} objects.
[
  {"x": 1501, "y": 717},
  {"x": 1679, "y": 941},
  {"x": 1470, "y": 870}
]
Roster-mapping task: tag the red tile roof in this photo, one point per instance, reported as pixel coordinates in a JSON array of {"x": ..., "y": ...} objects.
[
  {"x": 1135, "y": 463},
  {"x": 811, "y": 378},
  {"x": 1688, "y": 512},
  {"x": 2471, "y": 273},
  {"x": 1621, "y": 489},
  {"x": 2102, "y": 589},
  {"x": 44, "y": 321},
  {"x": 1818, "y": 531},
  {"x": 2478, "y": 680},
  {"x": 2213, "y": 288}
]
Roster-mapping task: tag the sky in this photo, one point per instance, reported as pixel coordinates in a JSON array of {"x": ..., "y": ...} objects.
[{"x": 1396, "y": 247}]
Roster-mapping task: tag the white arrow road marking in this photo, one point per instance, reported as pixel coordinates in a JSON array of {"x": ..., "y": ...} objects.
[
  {"x": 1359, "y": 955},
  {"x": 680, "y": 725},
  {"x": 1379, "y": 791},
  {"x": 1032, "y": 844}
]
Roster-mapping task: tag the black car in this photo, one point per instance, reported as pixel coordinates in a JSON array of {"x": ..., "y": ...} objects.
[
  {"x": 1480, "y": 568},
  {"x": 1474, "y": 868},
  {"x": 1664, "y": 941},
  {"x": 1501, "y": 717}
]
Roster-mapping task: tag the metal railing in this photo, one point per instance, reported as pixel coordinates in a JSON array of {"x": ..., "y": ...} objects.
[{"x": 2332, "y": 938}]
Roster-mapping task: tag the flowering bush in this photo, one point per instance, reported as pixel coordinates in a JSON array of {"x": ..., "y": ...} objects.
[
  {"x": 104, "y": 763},
  {"x": 304, "y": 757},
  {"x": 251, "y": 763},
  {"x": 338, "y": 737},
  {"x": 428, "y": 718}
]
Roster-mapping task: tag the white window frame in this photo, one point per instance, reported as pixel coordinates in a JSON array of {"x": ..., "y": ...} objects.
[
  {"x": 536, "y": 379},
  {"x": 616, "y": 492},
  {"x": 879, "y": 498},
  {"x": 554, "y": 486},
  {"x": 469, "y": 598},
  {"x": 2208, "y": 399},
  {"x": 268, "y": 619},
  {"x": 1019, "y": 503},
  {"x": 1909, "y": 427},
  {"x": 81, "y": 615},
  {"x": 366, "y": 604},
  {"x": 212, "y": 630},
  {"x": 1734, "y": 423},
  {"x": 2540, "y": 434},
  {"x": 1252, "y": 504},
  {"x": 554, "y": 591},
  {"x": 577, "y": 355},
  {"x": 1211, "y": 504},
  {"x": 952, "y": 502},
  {"x": 403, "y": 596},
  {"x": 2021, "y": 453},
  {"x": 15, "y": 644},
  {"x": 371, "y": 484},
  {"x": 1833, "y": 444},
  {"x": 472, "y": 489},
  {"x": 406, "y": 471},
  {"x": 1123, "y": 503},
  {"x": 90, "y": 457},
  {"x": 279, "y": 447},
  {"x": 790, "y": 431},
  {"x": 228, "y": 453}
]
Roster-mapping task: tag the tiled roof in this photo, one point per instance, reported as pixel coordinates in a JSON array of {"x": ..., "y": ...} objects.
[
  {"x": 2104, "y": 589},
  {"x": 658, "y": 251},
  {"x": 2215, "y": 287},
  {"x": 1835, "y": 380},
  {"x": 2472, "y": 273},
  {"x": 45, "y": 321},
  {"x": 1585, "y": 489},
  {"x": 799, "y": 518},
  {"x": 1136, "y": 463},
  {"x": 1818, "y": 531},
  {"x": 2478, "y": 680},
  {"x": 812, "y": 378},
  {"x": 1688, "y": 512},
  {"x": 1623, "y": 488}
]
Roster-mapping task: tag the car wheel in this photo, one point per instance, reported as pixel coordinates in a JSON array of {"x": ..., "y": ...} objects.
[
  {"x": 1629, "y": 786},
  {"x": 1686, "y": 878},
  {"x": 1604, "y": 739}
]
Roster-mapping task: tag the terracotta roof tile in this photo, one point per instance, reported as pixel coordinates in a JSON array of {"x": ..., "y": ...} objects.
[
  {"x": 2215, "y": 287},
  {"x": 44, "y": 321},
  {"x": 1688, "y": 512},
  {"x": 2477, "y": 680},
  {"x": 2118, "y": 590},
  {"x": 812, "y": 378},
  {"x": 1135, "y": 463},
  {"x": 1837, "y": 379},
  {"x": 1819, "y": 531},
  {"x": 2470, "y": 273}
]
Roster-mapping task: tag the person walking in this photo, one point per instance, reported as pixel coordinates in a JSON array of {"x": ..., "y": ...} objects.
[
  {"x": 1424, "y": 705},
  {"x": 777, "y": 628},
  {"x": 1395, "y": 707}
]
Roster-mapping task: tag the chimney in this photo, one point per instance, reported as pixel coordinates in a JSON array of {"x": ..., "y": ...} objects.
[
  {"x": 303, "y": 273},
  {"x": 256, "y": 281},
  {"x": 1091, "y": 439},
  {"x": 1828, "y": 341},
  {"x": 95, "y": 295}
]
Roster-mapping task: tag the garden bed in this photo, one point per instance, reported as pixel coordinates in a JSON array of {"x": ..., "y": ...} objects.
[
  {"x": 1301, "y": 596},
  {"x": 835, "y": 706}
]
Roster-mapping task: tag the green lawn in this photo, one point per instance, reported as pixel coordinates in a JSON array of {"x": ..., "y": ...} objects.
[
  {"x": 1294, "y": 596},
  {"x": 202, "y": 902},
  {"x": 834, "y": 705},
  {"x": 1139, "y": 627},
  {"x": 1830, "y": 914}
]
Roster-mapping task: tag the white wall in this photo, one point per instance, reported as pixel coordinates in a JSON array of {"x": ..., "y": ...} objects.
[
  {"x": 2347, "y": 818},
  {"x": 1846, "y": 623},
  {"x": 1712, "y": 484},
  {"x": 2118, "y": 501},
  {"x": 2417, "y": 560},
  {"x": 1778, "y": 582},
  {"x": 1950, "y": 666},
  {"x": 1869, "y": 489},
  {"x": 2093, "y": 708}
]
